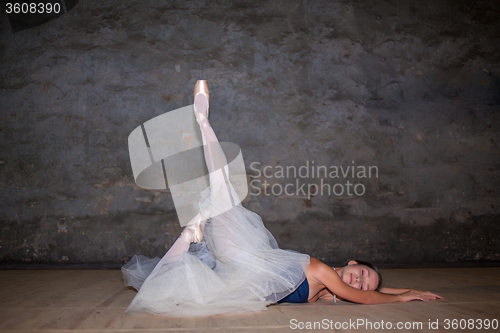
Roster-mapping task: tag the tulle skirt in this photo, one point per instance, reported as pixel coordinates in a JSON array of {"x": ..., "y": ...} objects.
[{"x": 237, "y": 268}]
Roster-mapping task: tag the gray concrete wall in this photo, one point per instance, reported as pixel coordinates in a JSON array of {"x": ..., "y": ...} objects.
[{"x": 411, "y": 87}]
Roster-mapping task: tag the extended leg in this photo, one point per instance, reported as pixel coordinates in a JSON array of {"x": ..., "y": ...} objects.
[
  {"x": 218, "y": 175},
  {"x": 214, "y": 155}
]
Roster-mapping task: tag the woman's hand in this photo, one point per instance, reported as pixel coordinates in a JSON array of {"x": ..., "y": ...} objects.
[{"x": 418, "y": 295}]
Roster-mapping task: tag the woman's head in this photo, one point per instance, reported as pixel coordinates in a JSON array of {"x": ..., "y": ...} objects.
[{"x": 361, "y": 275}]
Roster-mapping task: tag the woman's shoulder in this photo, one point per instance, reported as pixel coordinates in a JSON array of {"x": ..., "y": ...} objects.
[
  {"x": 317, "y": 263},
  {"x": 317, "y": 267},
  {"x": 314, "y": 260}
]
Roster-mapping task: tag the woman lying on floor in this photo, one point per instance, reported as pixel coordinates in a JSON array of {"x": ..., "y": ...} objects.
[{"x": 235, "y": 264}]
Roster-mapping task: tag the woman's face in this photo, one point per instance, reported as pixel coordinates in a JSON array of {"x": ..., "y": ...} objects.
[{"x": 360, "y": 277}]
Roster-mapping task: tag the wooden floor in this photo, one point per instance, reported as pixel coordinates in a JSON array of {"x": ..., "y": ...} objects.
[{"x": 96, "y": 300}]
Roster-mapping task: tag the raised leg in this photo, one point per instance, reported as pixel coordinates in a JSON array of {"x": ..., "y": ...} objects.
[
  {"x": 217, "y": 167},
  {"x": 214, "y": 155}
]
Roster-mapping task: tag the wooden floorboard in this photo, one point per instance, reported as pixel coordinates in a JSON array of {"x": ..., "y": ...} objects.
[{"x": 95, "y": 301}]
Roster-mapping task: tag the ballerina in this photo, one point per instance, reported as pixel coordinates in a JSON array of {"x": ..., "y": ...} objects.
[{"x": 226, "y": 261}]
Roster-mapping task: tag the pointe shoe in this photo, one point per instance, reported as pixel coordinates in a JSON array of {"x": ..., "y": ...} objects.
[
  {"x": 201, "y": 102},
  {"x": 194, "y": 230}
]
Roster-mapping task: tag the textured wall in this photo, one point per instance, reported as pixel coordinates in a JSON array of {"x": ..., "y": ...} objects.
[{"x": 411, "y": 87}]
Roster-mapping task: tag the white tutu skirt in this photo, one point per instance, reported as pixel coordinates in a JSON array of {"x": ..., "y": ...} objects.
[{"x": 237, "y": 268}]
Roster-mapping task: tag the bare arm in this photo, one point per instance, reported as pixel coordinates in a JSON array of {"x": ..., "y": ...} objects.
[
  {"x": 327, "y": 276},
  {"x": 328, "y": 296},
  {"x": 394, "y": 291}
]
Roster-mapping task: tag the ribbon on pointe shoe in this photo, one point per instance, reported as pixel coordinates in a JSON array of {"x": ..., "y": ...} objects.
[
  {"x": 201, "y": 119},
  {"x": 193, "y": 232},
  {"x": 201, "y": 115}
]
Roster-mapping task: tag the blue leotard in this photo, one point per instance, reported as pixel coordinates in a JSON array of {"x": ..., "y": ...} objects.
[{"x": 300, "y": 295}]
